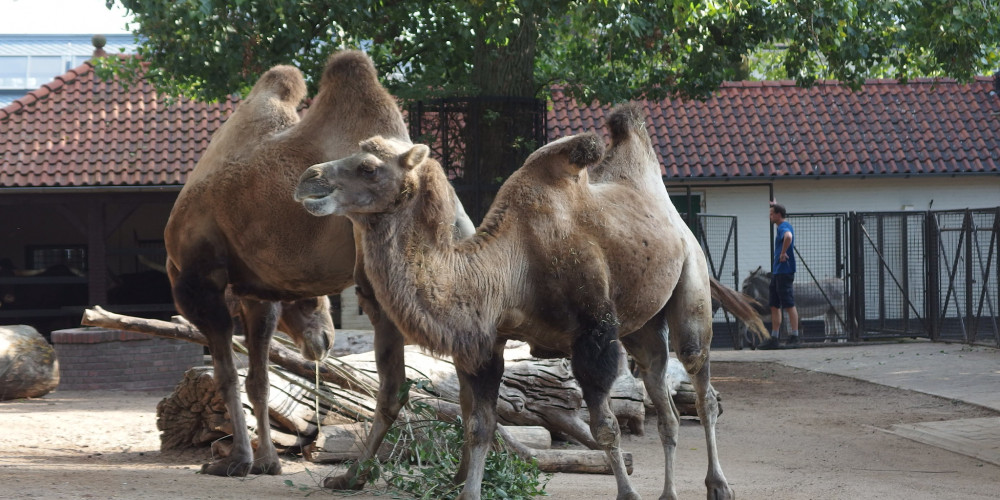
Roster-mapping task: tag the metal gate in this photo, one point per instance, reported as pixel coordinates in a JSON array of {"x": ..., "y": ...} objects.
[
  {"x": 889, "y": 273},
  {"x": 821, "y": 252},
  {"x": 963, "y": 300},
  {"x": 717, "y": 236},
  {"x": 899, "y": 275}
]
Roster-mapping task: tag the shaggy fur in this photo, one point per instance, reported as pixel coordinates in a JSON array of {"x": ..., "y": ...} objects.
[{"x": 569, "y": 260}]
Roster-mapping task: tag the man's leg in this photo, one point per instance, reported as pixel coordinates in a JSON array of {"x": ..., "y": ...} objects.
[{"x": 776, "y": 321}]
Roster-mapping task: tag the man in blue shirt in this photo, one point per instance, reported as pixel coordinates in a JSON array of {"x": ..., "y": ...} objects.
[{"x": 782, "y": 277}]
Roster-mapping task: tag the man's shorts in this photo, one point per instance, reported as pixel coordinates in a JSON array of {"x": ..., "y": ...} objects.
[{"x": 781, "y": 295}]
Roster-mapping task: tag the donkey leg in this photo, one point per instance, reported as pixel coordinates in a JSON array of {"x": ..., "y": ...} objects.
[
  {"x": 259, "y": 321},
  {"x": 389, "y": 401},
  {"x": 478, "y": 393},
  {"x": 690, "y": 320},
  {"x": 199, "y": 293},
  {"x": 648, "y": 347},
  {"x": 595, "y": 362}
]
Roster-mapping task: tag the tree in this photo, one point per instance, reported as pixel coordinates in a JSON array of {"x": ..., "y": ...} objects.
[{"x": 605, "y": 50}]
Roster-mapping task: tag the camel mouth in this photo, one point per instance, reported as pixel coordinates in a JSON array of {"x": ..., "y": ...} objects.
[{"x": 319, "y": 205}]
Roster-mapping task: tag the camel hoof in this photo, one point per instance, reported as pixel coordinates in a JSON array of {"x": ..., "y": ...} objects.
[
  {"x": 227, "y": 468},
  {"x": 721, "y": 493},
  {"x": 268, "y": 468},
  {"x": 630, "y": 496},
  {"x": 343, "y": 482}
]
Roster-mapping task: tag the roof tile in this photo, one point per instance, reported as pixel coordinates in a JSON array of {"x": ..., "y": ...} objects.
[
  {"x": 81, "y": 131},
  {"x": 923, "y": 127}
]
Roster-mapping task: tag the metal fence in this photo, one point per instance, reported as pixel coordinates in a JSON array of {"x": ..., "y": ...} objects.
[
  {"x": 908, "y": 274},
  {"x": 479, "y": 141}
]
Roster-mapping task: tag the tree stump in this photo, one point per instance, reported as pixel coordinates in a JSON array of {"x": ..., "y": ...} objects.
[
  {"x": 29, "y": 367},
  {"x": 194, "y": 415}
]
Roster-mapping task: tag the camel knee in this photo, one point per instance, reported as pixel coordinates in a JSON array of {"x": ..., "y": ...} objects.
[
  {"x": 257, "y": 385},
  {"x": 604, "y": 426},
  {"x": 693, "y": 359}
]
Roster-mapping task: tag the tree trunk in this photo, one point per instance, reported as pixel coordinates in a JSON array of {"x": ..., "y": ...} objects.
[{"x": 28, "y": 364}]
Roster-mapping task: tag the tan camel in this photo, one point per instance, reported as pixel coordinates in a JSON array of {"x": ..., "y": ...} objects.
[
  {"x": 234, "y": 225},
  {"x": 569, "y": 260}
]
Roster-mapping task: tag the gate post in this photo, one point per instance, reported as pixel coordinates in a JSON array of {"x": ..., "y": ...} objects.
[
  {"x": 932, "y": 298},
  {"x": 969, "y": 228},
  {"x": 856, "y": 286}
]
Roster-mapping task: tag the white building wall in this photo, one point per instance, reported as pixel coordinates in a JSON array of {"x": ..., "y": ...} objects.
[{"x": 750, "y": 203}]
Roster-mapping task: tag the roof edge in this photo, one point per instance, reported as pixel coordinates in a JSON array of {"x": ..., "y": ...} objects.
[{"x": 771, "y": 178}]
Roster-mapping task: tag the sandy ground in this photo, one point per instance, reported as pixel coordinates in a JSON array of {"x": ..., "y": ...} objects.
[{"x": 785, "y": 434}]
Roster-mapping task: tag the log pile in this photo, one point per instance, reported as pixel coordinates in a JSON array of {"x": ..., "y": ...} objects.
[{"x": 535, "y": 393}]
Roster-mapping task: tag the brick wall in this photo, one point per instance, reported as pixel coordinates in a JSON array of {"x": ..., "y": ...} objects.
[{"x": 99, "y": 358}]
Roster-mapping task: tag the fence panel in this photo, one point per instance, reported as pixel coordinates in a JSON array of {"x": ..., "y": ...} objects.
[
  {"x": 890, "y": 266},
  {"x": 821, "y": 253},
  {"x": 966, "y": 300}
]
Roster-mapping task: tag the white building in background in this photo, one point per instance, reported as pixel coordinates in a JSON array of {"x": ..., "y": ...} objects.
[{"x": 29, "y": 61}]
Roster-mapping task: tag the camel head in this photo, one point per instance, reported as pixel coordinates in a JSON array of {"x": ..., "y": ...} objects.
[{"x": 374, "y": 180}]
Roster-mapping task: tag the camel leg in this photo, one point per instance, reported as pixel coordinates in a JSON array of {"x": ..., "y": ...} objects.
[
  {"x": 648, "y": 347},
  {"x": 199, "y": 294},
  {"x": 690, "y": 320},
  {"x": 595, "y": 365},
  {"x": 478, "y": 393},
  {"x": 260, "y": 320},
  {"x": 389, "y": 402}
]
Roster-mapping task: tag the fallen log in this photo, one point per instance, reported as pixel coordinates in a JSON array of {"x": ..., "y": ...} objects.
[{"x": 536, "y": 392}]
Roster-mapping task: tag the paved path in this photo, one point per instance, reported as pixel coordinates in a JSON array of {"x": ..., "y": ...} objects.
[{"x": 970, "y": 374}]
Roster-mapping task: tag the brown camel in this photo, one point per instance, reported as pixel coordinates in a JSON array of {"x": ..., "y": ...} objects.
[
  {"x": 235, "y": 226},
  {"x": 569, "y": 260}
]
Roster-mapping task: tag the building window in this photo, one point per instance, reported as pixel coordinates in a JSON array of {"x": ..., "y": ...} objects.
[
  {"x": 46, "y": 256},
  {"x": 13, "y": 72},
  {"x": 42, "y": 69}
]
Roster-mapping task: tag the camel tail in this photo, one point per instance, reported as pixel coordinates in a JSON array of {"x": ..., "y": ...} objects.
[{"x": 741, "y": 305}]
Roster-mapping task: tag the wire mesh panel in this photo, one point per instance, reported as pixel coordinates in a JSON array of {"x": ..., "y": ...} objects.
[
  {"x": 890, "y": 270},
  {"x": 966, "y": 300},
  {"x": 820, "y": 288},
  {"x": 717, "y": 236}
]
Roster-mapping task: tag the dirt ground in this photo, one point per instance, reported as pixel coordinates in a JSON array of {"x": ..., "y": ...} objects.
[{"x": 784, "y": 434}]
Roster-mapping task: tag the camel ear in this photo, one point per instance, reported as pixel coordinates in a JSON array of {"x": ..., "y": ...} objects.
[{"x": 415, "y": 156}]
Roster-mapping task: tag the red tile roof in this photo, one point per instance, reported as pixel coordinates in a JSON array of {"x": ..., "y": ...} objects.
[
  {"x": 80, "y": 131},
  {"x": 754, "y": 130}
]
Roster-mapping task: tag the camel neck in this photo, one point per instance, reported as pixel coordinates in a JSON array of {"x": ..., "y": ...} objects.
[{"x": 424, "y": 279}]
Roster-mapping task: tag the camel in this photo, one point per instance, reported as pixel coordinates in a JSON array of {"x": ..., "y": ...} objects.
[
  {"x": 568, "y": 259},
  {"x": 235, "y": 227}
]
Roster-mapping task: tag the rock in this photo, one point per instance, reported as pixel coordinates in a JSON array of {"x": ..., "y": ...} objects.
[{"x": 28, "y": 364}]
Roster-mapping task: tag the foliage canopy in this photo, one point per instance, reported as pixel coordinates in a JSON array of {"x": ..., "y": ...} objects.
[{"x": 605, "y": 49}]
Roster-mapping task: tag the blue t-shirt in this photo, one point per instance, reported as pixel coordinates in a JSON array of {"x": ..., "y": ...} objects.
[{"x": 788, "y": 266}]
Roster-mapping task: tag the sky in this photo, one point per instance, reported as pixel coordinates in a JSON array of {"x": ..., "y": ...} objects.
[{"x": 90, "y": 17}]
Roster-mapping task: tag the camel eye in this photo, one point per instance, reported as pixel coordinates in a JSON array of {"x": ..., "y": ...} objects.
[{"x": 367, "y": 169}]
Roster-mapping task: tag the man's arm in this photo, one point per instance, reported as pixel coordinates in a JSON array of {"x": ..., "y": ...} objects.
[{"x": 785, "y": 243}]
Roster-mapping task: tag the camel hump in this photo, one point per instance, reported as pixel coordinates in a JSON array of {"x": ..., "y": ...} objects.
[
  {"x": 579, "y": 151},
  {"x": 350, "y": 64},
  {"x": 625, "y": 119},
  {"x": 284, "y": 82}
]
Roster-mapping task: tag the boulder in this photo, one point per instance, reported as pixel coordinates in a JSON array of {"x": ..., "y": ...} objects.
[{"x": 28, "y": 364}]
